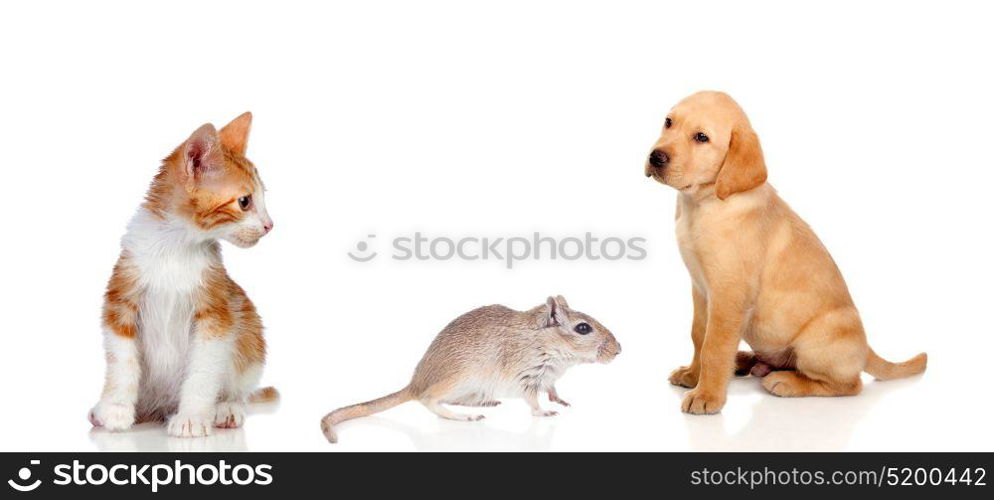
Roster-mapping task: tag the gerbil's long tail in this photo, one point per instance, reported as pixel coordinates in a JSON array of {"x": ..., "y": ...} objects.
[
  {"x": 264, "y": 395},
  {"x": 885, "y": 370},
  {"x": 340, "y": 415}
]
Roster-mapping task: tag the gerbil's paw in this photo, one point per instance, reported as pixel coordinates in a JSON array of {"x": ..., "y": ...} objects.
[
  {"x": 781, "y": 384},
  {"x": 557, "y": 400},
  {"x": 490, "y": 403},
  {"x": 113, "y": 416},
  {"x": 684, "y": 377},
  {"x": 544, "y": 413},
  {"x": 698, "y": 402},
  {"x": 190, "y": 425},
  {"x": 229, "y": 415}
]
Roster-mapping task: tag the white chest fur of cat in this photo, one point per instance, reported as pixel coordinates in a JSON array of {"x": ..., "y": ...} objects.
[
  {"x": 183, "y": 341},
  {"x": 170, "y": 271}
]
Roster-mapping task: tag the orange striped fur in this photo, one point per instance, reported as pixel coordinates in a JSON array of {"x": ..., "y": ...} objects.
[{"x": 183, "y": 340}]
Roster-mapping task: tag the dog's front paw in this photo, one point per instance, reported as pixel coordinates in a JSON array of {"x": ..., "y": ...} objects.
[
  {"x": 698, "y": 402},
  {"x": 684, "y": 377},
  {"x": 190, "y": 425},
  {"x": 113, "y": 416},
  {"x": 229, "y": 415}
]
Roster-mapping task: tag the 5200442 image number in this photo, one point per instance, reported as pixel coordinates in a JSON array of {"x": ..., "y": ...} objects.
[{"x": 921, "y": 476}]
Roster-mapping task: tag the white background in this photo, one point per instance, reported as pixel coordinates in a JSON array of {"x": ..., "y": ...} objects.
[{"x": 501, "y": 119}]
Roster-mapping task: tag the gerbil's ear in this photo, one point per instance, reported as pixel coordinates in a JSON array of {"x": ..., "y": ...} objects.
[
  {"x": 202, "y": 156},
  {"x": 555, "y": 313},
  {"x": 234, "y": 135},
  {"x": 744, "y": 167}
]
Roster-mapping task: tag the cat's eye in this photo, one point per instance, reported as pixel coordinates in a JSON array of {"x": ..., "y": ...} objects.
[
  {"x": 668, "y": 123},
  {"x": 245, "y": 202},
  {"x": 701, "y": 137},
  {"x": 582, "y": 328}
]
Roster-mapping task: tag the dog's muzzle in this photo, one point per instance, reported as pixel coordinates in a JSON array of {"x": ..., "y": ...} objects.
[{"x": 658, "y": 158}]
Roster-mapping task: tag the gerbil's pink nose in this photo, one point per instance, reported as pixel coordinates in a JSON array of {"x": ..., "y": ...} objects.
[{"x": 268, "y": 226}]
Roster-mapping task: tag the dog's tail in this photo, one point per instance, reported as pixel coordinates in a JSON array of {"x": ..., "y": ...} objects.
[
  {"x": 885, "y": 370},
  {"x": 264, "y": 395},
  {"x": 340, "y": 415}
]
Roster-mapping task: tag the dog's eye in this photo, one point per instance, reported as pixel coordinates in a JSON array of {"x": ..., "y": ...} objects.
[
  {"x": 245, "y": 202},
  {"x": 582, "y": 328},
  {"x": 701, "y": 137},
  {"x": 668, "y": 123}
]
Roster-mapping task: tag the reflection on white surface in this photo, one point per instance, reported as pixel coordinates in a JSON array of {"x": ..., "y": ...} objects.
[
  {"x": 468, "y": 436},
  {"x": 153, "y": 437},
  {"x": 789, "y": 424},
  {"x": 752, "y": 420}
]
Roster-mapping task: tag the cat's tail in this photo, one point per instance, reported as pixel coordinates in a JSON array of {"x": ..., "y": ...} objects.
[
  {"x": 340, "y": 415},
  {"x": 264, "y": 395}
]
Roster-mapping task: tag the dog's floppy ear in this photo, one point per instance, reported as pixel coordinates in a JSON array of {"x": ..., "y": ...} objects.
[{"x": 744, "y": 167}]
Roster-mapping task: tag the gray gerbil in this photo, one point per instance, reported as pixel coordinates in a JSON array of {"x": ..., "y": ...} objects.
[{"x": 493, "y": 352}]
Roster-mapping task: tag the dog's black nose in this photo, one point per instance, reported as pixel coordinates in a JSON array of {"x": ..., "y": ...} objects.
[{"x": 658, "y": 158}]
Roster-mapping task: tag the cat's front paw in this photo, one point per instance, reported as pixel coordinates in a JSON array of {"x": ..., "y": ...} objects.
[
  {"x": 113, "y": 416},
  {"x": 190, "y": 425},
  {"x": 229, "y": 415}
]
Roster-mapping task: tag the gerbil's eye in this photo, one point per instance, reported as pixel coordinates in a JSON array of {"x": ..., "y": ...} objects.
[
  {"x": 245, "y": 202},
  {"x": 668, "y": 123},
  {"x": 701, "y": 137},
  {"x": 582, "y": 328}
]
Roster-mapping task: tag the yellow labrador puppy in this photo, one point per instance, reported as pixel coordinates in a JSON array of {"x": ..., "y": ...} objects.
[{"x": 759, "y": 273}]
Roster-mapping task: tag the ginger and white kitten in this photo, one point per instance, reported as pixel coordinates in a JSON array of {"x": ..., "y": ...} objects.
[{"x": 183, "y": 341}]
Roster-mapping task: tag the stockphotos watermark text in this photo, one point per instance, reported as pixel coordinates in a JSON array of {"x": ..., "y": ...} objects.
[
  {"x": 505, "y": 249},
  {"x": 154, "y": 476}
]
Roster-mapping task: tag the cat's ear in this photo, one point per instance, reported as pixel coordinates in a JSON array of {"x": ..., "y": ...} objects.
[
  {"x": 202, "y": 155},
  {"x": 234, "y": 136}
]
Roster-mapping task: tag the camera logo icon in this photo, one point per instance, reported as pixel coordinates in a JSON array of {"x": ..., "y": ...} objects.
[
  {"x": 363, "y": 253},
  {"x": 24, "y": 474}
]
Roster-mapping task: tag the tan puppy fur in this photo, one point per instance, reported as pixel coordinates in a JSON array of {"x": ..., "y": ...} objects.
[{"x": 758, "y": 272}]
